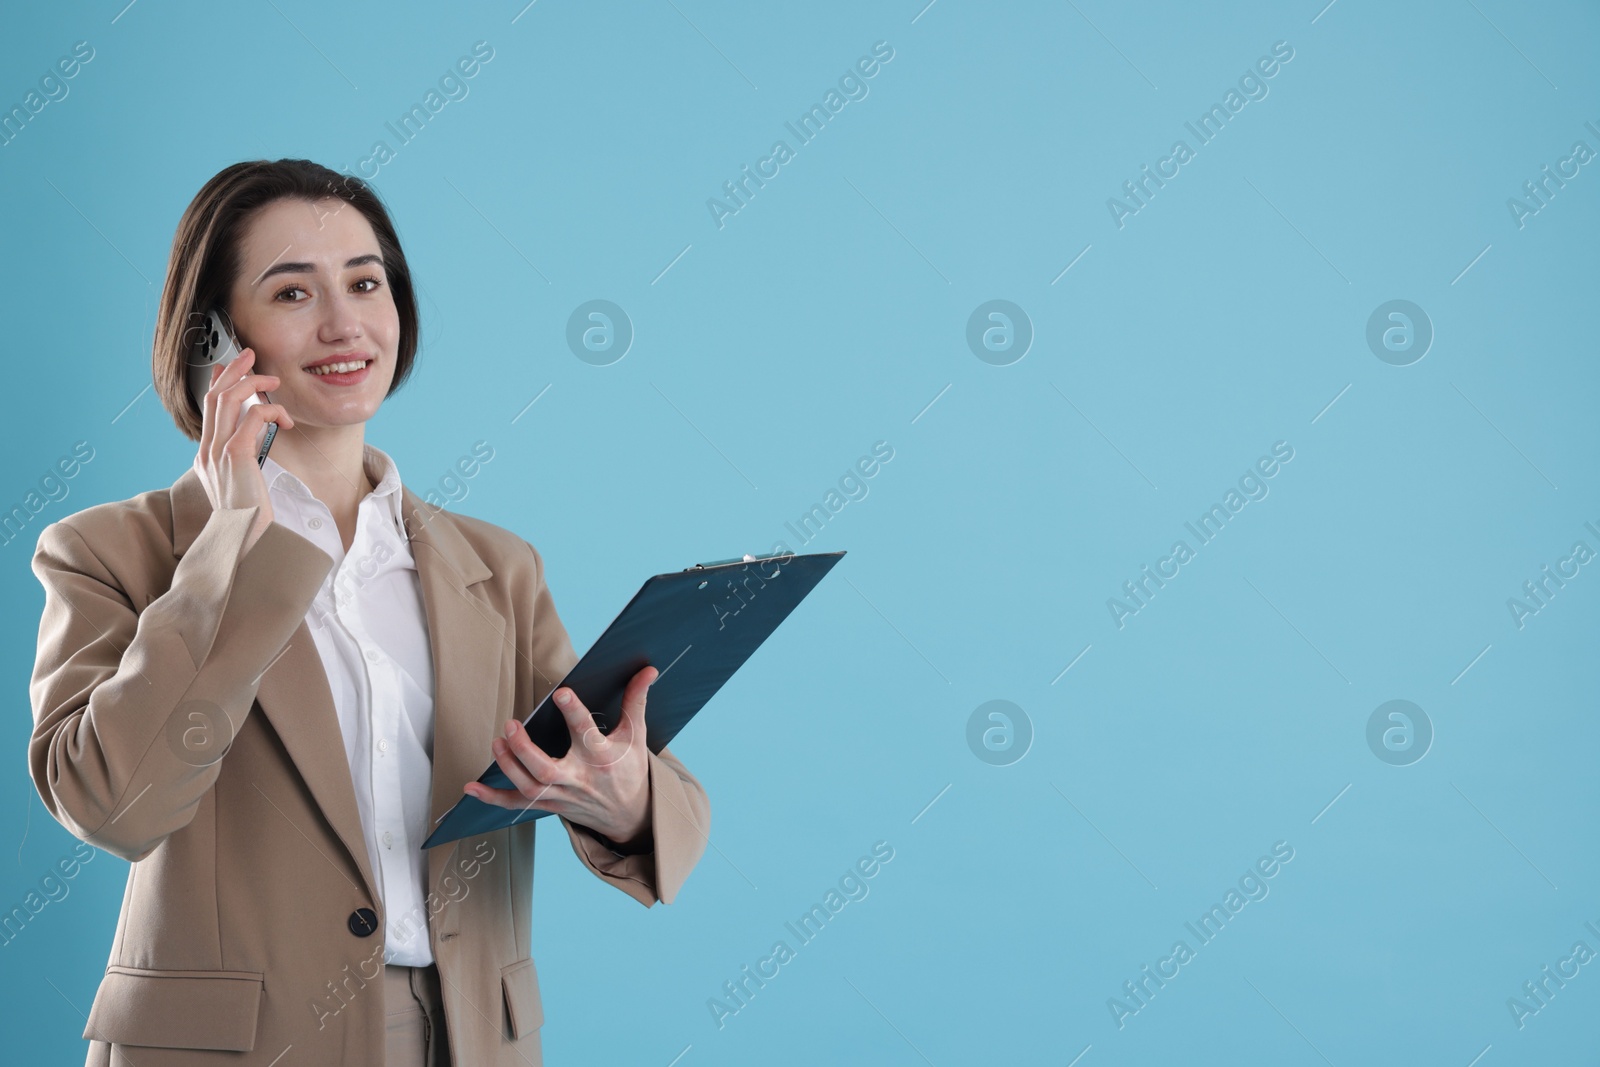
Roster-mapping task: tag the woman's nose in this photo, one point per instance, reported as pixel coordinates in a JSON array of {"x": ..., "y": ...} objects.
[{"x": 341, "y": 320}]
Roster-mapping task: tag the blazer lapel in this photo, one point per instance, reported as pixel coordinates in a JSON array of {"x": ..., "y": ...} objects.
[{"x": 467, "y": 636}]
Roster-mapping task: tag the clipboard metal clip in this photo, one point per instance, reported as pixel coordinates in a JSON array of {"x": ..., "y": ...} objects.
[{"x": 746, "y": 558}]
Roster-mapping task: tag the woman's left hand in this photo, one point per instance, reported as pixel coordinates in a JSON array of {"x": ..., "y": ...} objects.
[{"x": 603, "y": 782}]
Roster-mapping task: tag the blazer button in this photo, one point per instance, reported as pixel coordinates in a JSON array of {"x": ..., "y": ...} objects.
[{"x": 363, "y": 922}]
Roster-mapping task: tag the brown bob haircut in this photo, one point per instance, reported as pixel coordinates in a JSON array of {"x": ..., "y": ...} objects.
[{"x": 206, "y": 260}]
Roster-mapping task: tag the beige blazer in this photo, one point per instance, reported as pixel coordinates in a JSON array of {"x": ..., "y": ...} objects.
[{"x": 183, "y": 721}]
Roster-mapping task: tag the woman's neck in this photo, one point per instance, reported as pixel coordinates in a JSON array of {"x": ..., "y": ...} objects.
[{"x": 331, "y": 463}]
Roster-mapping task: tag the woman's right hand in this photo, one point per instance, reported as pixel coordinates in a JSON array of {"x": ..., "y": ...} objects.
[{"x": 226, "y": 461}]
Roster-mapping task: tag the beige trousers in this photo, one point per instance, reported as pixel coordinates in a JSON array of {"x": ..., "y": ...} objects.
[{"x": 414, "y": 1018}]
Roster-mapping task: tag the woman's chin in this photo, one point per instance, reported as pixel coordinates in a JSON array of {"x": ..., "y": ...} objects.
[{"x": 323, "y": 421}]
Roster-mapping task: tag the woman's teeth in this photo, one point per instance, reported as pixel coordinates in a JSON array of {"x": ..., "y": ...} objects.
[{"x": 340, "y": 368}]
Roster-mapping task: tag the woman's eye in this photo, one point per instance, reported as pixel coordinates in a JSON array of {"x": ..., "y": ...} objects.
[
  {"x": 375, "y": 283},
  {"x": 290, "y": 289}
]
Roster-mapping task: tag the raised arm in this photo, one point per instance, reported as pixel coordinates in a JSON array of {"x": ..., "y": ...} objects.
[{"x": 108, "y": 679}]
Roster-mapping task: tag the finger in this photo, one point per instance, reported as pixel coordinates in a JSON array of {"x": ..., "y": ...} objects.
[
  {"x": 222, "y": 412},
  {"x": 233, "y": 372},
  {"x": 605, "y": 751},
  {"x": 532, "y": 763},
  {"x": 236, "y": 401},
  {"x": 633, "y": 699},
  {"x": 515, "y": 801},
  {"x": 270, "y": 413},
  {"x": 601, "y": 751},
  {"x": 241, "y": 390},
  {"x": 207, "y": 423},
  {"x": 595, "y": 747},
  {"x": 208, "y": 404},
  {"x": 580, "y": 723},
  {"x": 247, "y": 434},
  {"x": 527, "y": 785}
]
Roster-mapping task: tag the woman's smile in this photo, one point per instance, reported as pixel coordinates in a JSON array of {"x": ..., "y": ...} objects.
[{"x": 341, "y": 370}]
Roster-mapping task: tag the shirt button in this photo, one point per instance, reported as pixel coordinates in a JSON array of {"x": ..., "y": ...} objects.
[
  {"x": 383, "y": 746},
  {"x": 372, "y": 654},
  {"x": 314, "y": 522},
  {"x": 388, "y": 838}
]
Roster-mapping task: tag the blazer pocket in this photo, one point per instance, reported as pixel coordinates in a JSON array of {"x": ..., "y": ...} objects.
[
  {"x": 524, "y": 1012},
  {"x": 177, "y": 1009}
]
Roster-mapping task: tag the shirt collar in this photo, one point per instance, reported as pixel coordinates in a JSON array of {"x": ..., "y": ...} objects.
[{"x": 379, "y": 466}]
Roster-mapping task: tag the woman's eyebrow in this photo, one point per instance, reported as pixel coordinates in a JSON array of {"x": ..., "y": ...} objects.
[{"x": 311, "y": 268}]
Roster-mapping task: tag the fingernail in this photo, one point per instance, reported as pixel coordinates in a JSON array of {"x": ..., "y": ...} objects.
[
  {"x": 562, "y": 697},
  {"x": 511, "y": 729}
]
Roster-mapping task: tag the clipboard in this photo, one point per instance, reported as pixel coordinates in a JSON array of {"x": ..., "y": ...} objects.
[{"x": 696, "y": 626}]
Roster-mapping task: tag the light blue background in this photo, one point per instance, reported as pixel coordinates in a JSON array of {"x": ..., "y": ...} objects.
[{"x": 828, "y": 314}]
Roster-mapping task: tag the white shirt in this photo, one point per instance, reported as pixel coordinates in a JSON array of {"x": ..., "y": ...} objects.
[{"x": 370, "y": 628}]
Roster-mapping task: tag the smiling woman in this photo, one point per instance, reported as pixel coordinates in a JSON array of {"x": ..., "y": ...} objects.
[
  {"x": 309, "y": 268},
  {"x": 269, "y": 741}
]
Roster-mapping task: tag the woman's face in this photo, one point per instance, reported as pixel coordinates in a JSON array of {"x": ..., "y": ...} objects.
[{"x": 312, "y": 285}]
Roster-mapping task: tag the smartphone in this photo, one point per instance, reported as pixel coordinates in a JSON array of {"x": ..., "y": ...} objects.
[{"x": 212, "y": 341}]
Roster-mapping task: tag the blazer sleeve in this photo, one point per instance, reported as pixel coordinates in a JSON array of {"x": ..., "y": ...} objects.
[
  {"x": 114, "y": 689},
  {"x": 680, "y": 810},
  {"x": 680, "y": 824}
]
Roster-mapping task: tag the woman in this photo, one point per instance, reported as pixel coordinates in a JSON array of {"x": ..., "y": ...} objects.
[{"x": 265, "y": 684}]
